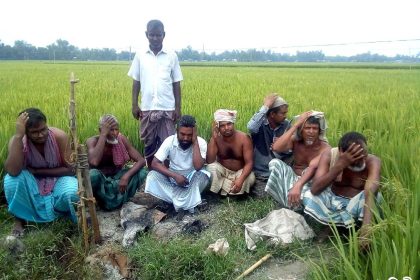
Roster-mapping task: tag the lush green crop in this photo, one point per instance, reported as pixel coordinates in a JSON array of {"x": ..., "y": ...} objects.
[{"x": 384, "y": 104}]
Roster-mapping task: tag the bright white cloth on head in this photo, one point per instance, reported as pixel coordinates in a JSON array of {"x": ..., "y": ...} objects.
[{"x": 224, "y": 115}]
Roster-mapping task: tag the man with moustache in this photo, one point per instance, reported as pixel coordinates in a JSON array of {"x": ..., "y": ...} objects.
[
  {"x": 345, "y": 186},
  {"x": 39, "y": 185},
  {"x": 158, "y": 74},
  {"x": 230, "y": 156},
  {"x": 265, "y": 126},
  {"x": 113, "y": 183},
  {"x": 182, "y": 183},
  {"x": 306, "y": 139}
]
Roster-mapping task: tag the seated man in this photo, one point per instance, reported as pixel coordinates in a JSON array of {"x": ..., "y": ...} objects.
[
  {"x": 182, "y": 183},
  {"x": 230, "y": 156},
  {"x": 306, "y": 139},
  {"x": 345, "y": 185},
  {"x": 268, "y": 124},
  {"x": 113, "y": 184},
  {"x": 39, "y": 185}
]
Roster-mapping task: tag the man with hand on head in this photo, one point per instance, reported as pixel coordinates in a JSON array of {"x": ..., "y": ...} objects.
[
  {"x": 39, "y": 185},
  {"x": 345, "y": 186},
  {"x": 306, "y": 138},
  {"x": 113, "y": 183},
  {"x": 230, "y": 156},
  {"x": 265, "y": 126},
  {"x": 158, "y": 74},
  {"x": 182, "y": 183}
]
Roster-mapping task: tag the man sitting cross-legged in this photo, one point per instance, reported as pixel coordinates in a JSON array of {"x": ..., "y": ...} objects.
[
  {"x": 345, "y": 186},
  {"x": 182, "y": 183},
  {"x": 39, "y": 185},
  {"x": 230, "y": 156},
  {"x": 306, "y": 139},
  {"x": 113, "y": 184}
]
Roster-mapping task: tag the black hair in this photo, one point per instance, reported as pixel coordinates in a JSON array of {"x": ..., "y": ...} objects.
[
  {"x": 186, "y": 121},
  {"x": 35, "y": 116},
  {"x": 349, "y": 138},
  {"x": 155, "y": 23},
  {"x": 275, "y": 110}
]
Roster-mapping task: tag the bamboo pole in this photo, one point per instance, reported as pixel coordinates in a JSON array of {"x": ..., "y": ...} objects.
[
  {"x": 82, "y": 171},
  {"x": 254, "y": 266},
  {"x": 75, "y": 158},
  {"x": 90, "y": 199}
]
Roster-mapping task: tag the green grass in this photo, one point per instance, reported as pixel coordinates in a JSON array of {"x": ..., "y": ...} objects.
[{"x": 381, "y": 102}]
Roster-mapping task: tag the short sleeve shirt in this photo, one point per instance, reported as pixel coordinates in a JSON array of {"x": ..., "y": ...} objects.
[
  {"x": 156, "y": 73},
  {"x": 179, "y": 159}
]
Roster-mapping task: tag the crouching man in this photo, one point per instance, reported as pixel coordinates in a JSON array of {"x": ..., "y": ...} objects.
[
  {"x": 113, "y": 183},
  {"x": 345, "y": 186},
  {"x": 39, "y": 185},
  {"x": 182, "y": 183}
]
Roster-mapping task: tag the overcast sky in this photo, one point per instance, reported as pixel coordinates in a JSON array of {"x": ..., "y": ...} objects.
[{"x": 217, "y": 25}]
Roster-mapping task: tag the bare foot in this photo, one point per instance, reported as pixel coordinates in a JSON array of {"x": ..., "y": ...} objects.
[{"x": 18, "y": 228}]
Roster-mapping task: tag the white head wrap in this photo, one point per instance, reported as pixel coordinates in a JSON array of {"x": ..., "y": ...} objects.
[
  {"x": 224, "y": 115},
  {"x": 322, "y": 126}
]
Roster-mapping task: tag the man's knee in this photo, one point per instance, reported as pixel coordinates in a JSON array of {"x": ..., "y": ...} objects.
[
  {"x": 70, "y": 189},
  {"x": 95, "y": 177}
]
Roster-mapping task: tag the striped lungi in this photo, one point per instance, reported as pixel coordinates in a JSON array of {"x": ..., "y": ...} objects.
[
  {"x": 25, "y": 201},
  {"x": 281, "y": 180},
  {"x": 328, "y": 207}
]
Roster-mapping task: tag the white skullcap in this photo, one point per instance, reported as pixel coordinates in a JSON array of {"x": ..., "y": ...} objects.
[{"x": 224, "y": 115}]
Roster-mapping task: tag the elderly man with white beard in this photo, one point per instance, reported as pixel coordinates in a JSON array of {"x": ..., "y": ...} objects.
[
  {"x": 112, "y": 182},
  {"x": 306, "y": 139}
]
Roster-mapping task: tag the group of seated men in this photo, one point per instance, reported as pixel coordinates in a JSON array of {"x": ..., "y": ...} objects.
[{"x": 292, "y": 161}]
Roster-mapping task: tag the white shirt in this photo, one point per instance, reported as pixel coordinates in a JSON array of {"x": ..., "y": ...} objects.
[
  {"x": 179, "y": 159},
  {"x": 156, "y": 74}
]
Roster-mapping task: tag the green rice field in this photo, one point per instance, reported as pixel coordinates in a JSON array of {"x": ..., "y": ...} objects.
[{"x": 381, "y": 102}]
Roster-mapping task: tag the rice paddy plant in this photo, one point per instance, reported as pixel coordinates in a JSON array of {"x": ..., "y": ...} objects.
[{"x": 383, "y": 104}]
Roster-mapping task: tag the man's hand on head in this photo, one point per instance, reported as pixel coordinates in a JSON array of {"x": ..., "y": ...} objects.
[
  {"x": 269, "y": 100},
  {"x": 194, "y": 136},
  {"x": 21, "y": 124},
  {"x": 106, "y": 126},
  {"x": 303, "y": 117},
  {"x": 352, "y": 154},
  {"x": 214, "y": 130}
]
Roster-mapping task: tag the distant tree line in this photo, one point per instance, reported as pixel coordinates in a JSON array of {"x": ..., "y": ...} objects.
[{"x": 63, "y": 50}]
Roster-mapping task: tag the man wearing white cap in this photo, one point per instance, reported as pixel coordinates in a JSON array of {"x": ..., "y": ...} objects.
[
  {"x": 230, "y": 156},
  {"x": 265, "y": 126},
  {"x": 306, "y": 138}
]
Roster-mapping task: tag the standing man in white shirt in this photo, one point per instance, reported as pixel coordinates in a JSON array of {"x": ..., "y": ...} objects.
[{"x": 156, "y": 72}]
